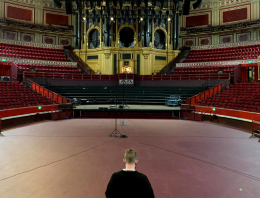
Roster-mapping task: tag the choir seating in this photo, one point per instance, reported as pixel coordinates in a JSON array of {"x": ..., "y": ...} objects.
[
  {"x": 204, "y": 69},
  {"x": 15, "y": 95},
  {"x": 47, "y": 68},
  {"x": 241, "y": 96},
  {"x": 29, "y": 52},
  {"x": 224, "y": 54}
]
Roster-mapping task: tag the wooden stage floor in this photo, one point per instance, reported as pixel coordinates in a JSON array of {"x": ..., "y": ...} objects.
[
  {"x": 75, "y": 158},
  {"x": 129, "y": 107}
]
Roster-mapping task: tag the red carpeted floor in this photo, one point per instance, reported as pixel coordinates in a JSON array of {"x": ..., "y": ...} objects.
[{"x": 75, "y": 158}]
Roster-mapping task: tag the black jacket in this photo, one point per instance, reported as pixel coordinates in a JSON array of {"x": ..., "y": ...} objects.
[{"x": 129, "y": 184}]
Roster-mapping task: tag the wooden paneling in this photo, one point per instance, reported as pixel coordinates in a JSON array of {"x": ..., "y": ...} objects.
[
  {"x": 27, "y": 37},
  {"x": 47, "y": 39},
  {"x": 205, "y": 40},
  {"x": 198, "y": 19},
  {"x": 226, "y": 39},
  {"x": 235, "y": 14},
  {"x": 243, "y": 37},
  {"x": 64, "y": 41},
  {"x": 56, "y": 18},
  {"x": 8, "y": 34},
  {"x": 189, "y": 42},
  {"x": 18, "y": 12}
]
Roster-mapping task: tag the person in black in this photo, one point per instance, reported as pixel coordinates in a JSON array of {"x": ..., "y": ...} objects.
[{"x": 128, "y": 183}]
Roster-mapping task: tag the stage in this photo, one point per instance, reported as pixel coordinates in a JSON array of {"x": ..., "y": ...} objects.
[
  {"x": 129, "y": 111},
  {"x": 76, "y": 158}
]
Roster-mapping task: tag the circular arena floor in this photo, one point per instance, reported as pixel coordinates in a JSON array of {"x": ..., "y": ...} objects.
[{"x": 75, "y": 158}]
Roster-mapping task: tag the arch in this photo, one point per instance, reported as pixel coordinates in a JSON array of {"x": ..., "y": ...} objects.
[
  {"x": 126, "y": 25},
  {"x": 165, "y": 34},
  {"x": 93, "y": 27}
]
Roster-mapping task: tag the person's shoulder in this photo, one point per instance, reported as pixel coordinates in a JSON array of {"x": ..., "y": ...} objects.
[
  {"x": 118, "y": 173},
  {"x": 141, "y": 174}
]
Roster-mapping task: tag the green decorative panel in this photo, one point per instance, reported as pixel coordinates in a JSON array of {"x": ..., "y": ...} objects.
[
  {"x": 138, "y": 64},
  {"x": 92, "y": 57},
  {"x": 115, "y": 63},
  {"x": 127, "y": 56},
  {"x": 160, "y": 58}
]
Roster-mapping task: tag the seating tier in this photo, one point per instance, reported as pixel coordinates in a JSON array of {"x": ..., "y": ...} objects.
[
  {"x": 224, "y": 54},
  {"x": 15, "y": 95},
  {"x": 241, "y": 96},
  {"x": 28, "y": 52}
]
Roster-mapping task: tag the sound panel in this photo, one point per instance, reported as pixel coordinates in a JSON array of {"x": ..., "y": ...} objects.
[
  {"x": 68, "y": 4},
  {"x": 115, "y": 63},
  {"x": 186, "y": 7},
  {"x": 138, "y": 64},
  {"x": 197, "y": 4},
  {"x": 57, "y": 3}
]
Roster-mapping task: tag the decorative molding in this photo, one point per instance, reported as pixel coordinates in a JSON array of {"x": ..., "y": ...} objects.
[
  {"x": 49, "y": 4},
  {"x": 226, "y": 45},
  {"x": 6, "y": 5},
  {"x": 217, "y": 63},
  {"x": 247, "y": 34},
  {"x": 6, "y": 32},
  {"x": 165, "y": 32},
  {"x": 231, "y": 37},
  {"x": 44, "y": 37},
  {"x": 221, "y": 11},
  {"x": 209, "y": 13},
  {"x": 27, "y": 2},
  {"x": 23, "y": 34},
  {"x": 93, "y": 27},
  {"x": 56, "y": 13},
  {"x": 38, "y": 62},
  {"x": 31, "y": 44},
  {"x": 203, "y": 6},
  {"x": 193, "y": 40},
  {"x": 224, "y": 3},
  {"x": 65, "y": 38},
  {"x": 209, "y": 38}
]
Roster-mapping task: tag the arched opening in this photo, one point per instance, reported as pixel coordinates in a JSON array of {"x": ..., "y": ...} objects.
[
  {"x": 159, "y": 39},
  {"x": 126, "y": 37},
  {"x": 93, "y": 40}
]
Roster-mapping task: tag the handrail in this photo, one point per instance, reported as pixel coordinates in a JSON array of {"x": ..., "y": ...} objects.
[
  {"x": 126, "y": 76},
  {"x": 204, "y": 95},
  {"x": 81, "y": 63},
  {"x": 47, "y": 93},
  {"x": 172, "y": 63}
]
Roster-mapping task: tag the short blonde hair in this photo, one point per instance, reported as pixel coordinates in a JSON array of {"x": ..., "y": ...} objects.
[{"x": 130, "y": 156}]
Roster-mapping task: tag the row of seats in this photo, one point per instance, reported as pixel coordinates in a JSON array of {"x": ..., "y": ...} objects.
[
  {"x": 241, "y": 96},
  {"x": 204, "y": 70},
  {"x": 48, "y": 68},
  {"x": 224, "y": 54},
  {"x": 15, "y": 95},
  {"x": 27, "y": 52}
]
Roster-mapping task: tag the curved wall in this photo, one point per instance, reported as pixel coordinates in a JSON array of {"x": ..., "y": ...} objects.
[
  {"x": 38, "y": 12},
  {"x": 222, "y": 12}
]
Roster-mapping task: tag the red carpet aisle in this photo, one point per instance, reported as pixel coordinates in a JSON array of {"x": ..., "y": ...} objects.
[{"x": 75, "y": 158}]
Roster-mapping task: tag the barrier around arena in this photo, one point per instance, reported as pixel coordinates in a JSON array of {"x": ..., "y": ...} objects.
[
  {"x": 204, "y": 95},
  {"x": 18, "y": 112},
  {"x": 229, "y": 113},
  {"x": 47, "y": 93},
  {"x": 256, "y": 123},
  {"x": 61, "y": 115}
]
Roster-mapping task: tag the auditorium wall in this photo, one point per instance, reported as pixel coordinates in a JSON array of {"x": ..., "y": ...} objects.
[
  {"x": 38, "y": 12},
  {"x": 222, "y": 12}
]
